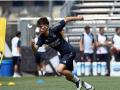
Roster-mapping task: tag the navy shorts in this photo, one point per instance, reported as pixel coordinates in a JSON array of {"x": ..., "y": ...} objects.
[
  {"x": 102, "y": 57},
  {"x": 16, "y": 60},
  {"x": 67, "y": 59},
  {"x": 40, "y": 57},
  {"x": 88, "y": 57}
]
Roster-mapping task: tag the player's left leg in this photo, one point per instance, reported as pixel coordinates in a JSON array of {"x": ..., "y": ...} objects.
[
  {"x": 38, "y": 63},
  {"x": 43, "y": 62},
  {"x": 43, "y": 69},
  {"x": 39, "y": 67}
]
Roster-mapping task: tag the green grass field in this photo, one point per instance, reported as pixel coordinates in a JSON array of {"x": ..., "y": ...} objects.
[{"x": 59, "y": 83}]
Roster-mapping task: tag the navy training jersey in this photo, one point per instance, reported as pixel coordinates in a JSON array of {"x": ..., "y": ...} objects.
[{"x": 55, "y": 39}]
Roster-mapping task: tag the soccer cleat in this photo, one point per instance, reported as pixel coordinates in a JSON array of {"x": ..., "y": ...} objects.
[
  {"x": 39, "y": 73},
  {"x": 92, "y": 88},
  {"x": 16, "y": 75},
  {"x": 44, "y": 72},
  {"x": 79, "y": 85}
]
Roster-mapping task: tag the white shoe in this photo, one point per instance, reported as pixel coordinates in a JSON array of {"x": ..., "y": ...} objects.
[
  {"x": 113, "y": 59},
  {"x": 92, "y": 88},
  {"x": 16, "y": 75},
  {"x": 44, "y": 72},
  {"x": 39, "y": 73},
  {"x": 79, "y": 85}
]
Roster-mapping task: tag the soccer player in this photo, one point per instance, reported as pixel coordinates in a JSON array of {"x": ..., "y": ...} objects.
[
  {"x": 102, "y": 46},
  {"x": 87, "y": 44},
  {"x": 52, "y": 37},
  {"x": 40, "y": 55},
  {"x": 16, "y": 54},
  {"x": 115, "y": 49}
]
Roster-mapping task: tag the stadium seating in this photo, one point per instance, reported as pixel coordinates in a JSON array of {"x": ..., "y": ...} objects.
[{"x": 94, "y": 9}]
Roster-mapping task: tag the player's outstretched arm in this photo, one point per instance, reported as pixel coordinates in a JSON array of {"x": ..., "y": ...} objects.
[{"x": 73, "y": 18}]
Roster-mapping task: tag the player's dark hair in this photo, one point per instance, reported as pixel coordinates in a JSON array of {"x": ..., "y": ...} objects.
[
  {"x": 87, "y": 27},
  {"x": 117, "y": 28},
  {"x": 42, "y": 21},
  {"x": 18, "y": 34},
  {"x": 100, "y": 28}
]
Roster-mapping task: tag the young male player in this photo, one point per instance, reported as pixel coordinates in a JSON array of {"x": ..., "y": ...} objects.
[
  {"x": 52, "y": 37},
  {"x": 115, "y": 49},
  {"x": 16, "y": 54},
  {"x": 101, "y": 51}
]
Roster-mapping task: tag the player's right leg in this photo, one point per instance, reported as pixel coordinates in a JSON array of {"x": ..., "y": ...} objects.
[
  {"x": 38, "y": 62},
  {"x": 43, "y": 62},
  {"x": 39, "y": 71},
  {"x": 43, "y": 68}
]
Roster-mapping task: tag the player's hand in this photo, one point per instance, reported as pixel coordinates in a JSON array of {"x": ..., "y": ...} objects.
[
  {"x": 118, "y": 49},
  {"x": 80, "y": 17},
  {"x": 33, "y": 46},
  {"x": 81, "y": 49}
]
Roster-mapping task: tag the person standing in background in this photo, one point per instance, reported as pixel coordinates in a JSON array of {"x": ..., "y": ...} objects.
[
  {"x": 102, "y": 49},
  {"x": 86, "y": 51},
  {"x": 40, "y": 55},
  {"x": 16, "y": 54},
  {"x": 87, "y": 45},
  {"x": 115, "y": 49}
]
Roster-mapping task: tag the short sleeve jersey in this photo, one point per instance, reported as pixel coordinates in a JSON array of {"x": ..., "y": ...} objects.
[
  {"x": 16, "y": 43},
  {"x": 116, "y": 41}
]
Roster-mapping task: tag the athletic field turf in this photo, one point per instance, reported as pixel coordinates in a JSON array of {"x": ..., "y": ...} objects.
[{"x": 59, "y": 83}]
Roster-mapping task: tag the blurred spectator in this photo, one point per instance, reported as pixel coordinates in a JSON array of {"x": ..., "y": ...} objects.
[
  {"x": 102, "y": 48},
  {"x": 87, "y": 45},
  {"x": 16, "y": 54},
  {"x": 40, "y": 55},
  {"x": 115, "y": 49}
]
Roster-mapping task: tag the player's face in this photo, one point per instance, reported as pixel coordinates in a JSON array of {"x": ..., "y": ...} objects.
[
  {"x": 102, "y": 31},
  {"x": 43, "y": 28},
  {"x": 87, "y": 30},
  {"x": 19, "y": 36}
]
